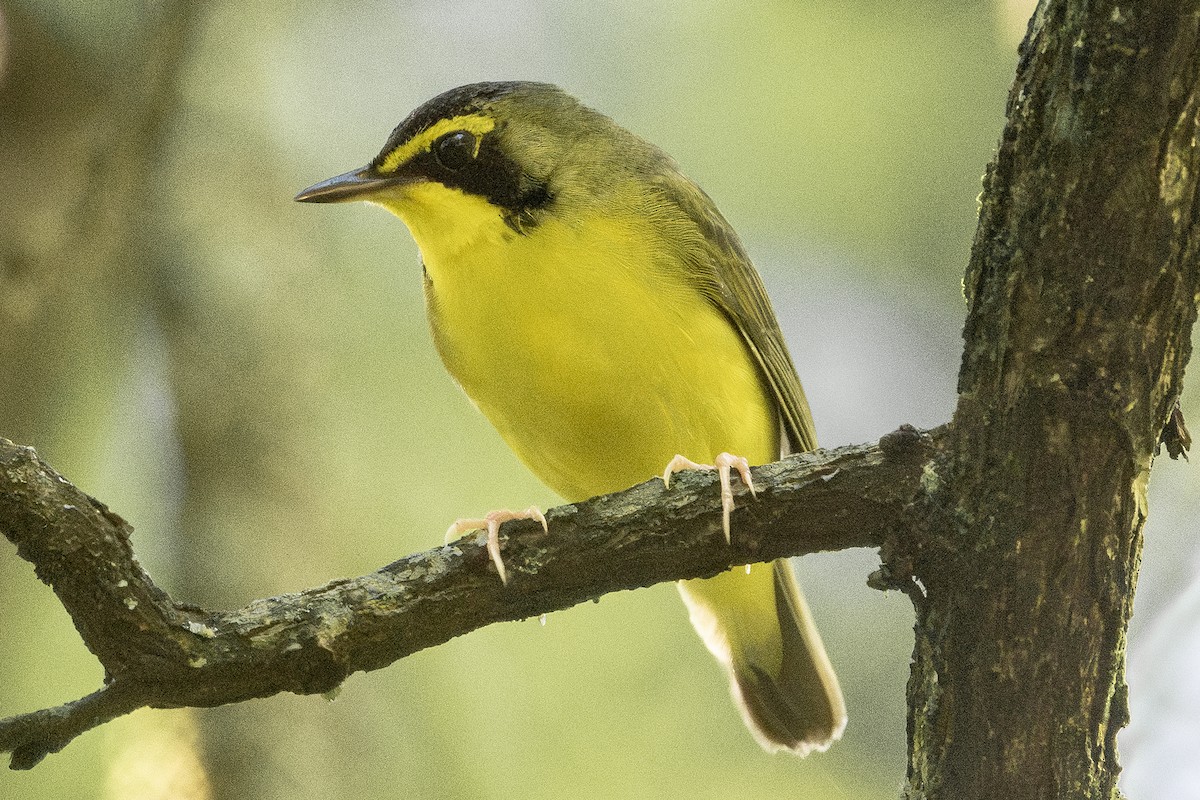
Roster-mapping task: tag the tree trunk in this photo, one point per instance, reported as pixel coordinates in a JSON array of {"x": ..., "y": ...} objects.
[{"x": 1081, "y": 287}]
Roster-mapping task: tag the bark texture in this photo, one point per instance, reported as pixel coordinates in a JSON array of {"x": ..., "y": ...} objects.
[
  {"x": 158, "y": 652},
  {"x": 1082, "y": 293}
]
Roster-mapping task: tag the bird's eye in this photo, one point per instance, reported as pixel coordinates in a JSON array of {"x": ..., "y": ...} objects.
[{"x": 455, "y": 150}]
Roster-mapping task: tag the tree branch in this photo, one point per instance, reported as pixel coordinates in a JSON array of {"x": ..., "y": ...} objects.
[{"x": 159, "y": 652}]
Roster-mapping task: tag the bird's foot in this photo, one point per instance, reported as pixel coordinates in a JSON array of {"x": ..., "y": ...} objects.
[
  {"x": 725, "y": 463},
  {"x": 491, "y": 523}
]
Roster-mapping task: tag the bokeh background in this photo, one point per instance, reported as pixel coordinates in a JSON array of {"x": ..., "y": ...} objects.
[{"x": 251, "y": 383}]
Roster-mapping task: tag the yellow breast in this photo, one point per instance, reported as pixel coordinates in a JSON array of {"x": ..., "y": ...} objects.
[{"x": 584, "y": 343}]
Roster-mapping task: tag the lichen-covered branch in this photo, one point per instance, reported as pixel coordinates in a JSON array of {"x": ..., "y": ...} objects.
[{"x": 159, "y": 652}]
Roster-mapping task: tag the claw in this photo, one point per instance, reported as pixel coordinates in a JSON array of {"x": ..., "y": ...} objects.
[
  {"x": 725, "y": 463},
  {"x": 491, "y": 523}
]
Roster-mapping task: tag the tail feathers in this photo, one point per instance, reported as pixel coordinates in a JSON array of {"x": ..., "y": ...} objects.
[
  {"x": 787, "y": 692},
  {"x": 799, "y": 706},
  {"x": 778, "y": 722}
]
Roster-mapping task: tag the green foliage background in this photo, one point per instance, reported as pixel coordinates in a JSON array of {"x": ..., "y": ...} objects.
[{"x": 250, "y": 381}]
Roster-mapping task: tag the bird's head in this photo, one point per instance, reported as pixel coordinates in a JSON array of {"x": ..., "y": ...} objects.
[{"x": 487, "y": 153}]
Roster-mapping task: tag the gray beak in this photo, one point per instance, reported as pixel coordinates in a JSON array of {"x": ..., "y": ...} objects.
[{"x": 356, "y": 185}]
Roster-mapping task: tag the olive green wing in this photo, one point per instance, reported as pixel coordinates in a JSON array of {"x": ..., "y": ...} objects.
[{"x": 723, "y": 271}]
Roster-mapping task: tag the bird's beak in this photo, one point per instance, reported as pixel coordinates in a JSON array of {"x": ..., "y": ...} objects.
[{"x": 356, "y": 185}]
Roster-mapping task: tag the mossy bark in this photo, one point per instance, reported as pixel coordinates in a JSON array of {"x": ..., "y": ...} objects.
[{"x": 1082, "y": 293}]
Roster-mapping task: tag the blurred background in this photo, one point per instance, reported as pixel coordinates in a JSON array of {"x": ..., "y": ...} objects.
[{"x": 251, "y": 383}]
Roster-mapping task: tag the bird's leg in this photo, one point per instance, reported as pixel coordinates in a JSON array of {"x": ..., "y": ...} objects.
[
  {"x": 491, "y": 523},
  {"x": 724, "y": 463}
]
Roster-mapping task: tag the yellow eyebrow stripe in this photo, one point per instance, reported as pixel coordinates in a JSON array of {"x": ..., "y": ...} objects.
[{"x": 475, "y": 123}]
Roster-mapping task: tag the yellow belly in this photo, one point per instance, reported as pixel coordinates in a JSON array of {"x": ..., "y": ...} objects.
[{"x": 595, "y": 362}]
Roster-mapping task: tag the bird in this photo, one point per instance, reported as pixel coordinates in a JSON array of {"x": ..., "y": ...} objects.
[{"x": 599, "y": 310}]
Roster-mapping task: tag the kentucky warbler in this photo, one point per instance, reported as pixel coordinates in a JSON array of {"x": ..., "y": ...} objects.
[{"x": 601, "y": 312}]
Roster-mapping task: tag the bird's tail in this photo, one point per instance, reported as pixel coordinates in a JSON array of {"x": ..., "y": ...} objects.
[{"x": 759, "y": 628}]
